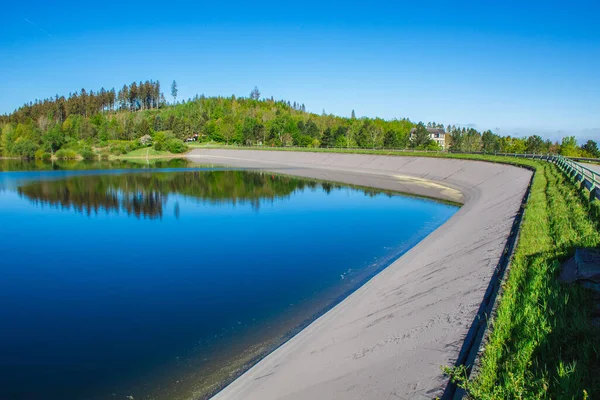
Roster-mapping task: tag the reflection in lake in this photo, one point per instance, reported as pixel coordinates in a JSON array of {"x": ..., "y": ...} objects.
[
  {"x": 9, "y": 164},
  {"x": 145, "y": 194}
]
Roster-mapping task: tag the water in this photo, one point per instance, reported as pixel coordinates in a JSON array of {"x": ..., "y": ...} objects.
[{"x": 160, "y": 284}]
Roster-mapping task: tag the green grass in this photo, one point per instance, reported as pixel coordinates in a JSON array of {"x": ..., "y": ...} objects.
[{"x": 541, "y": 343}]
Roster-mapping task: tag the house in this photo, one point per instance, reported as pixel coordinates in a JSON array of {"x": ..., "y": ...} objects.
[{"x": 436, "y": 134}]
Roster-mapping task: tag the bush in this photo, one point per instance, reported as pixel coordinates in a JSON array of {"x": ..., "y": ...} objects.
[
  {"x": 432, "y": 145},
  {"x": 66, "y": 154},
  {"x": 305, "y": 141},
  {"x": 39, "y": 154},
  {"x": 176, "y": 146},
  {"x": 87, "y": 153},
  {"x": 160, "y": 140},
  {"x": 118, "y": 147}
]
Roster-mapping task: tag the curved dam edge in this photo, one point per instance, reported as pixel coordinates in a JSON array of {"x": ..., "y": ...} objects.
[{"x": 390, "y": 337}]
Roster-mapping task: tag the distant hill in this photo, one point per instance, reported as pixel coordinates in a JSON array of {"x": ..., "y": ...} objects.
[{"x": 98, "y": 119}]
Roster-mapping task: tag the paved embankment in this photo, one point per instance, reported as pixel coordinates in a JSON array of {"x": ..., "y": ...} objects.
[{"x": 389, "y": 338}]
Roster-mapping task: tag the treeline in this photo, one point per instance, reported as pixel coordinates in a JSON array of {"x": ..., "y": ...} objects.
[
  {"x": 138, "y": 115},
  {"x": 470, "y": 140},
  {"x": 133, "y": 97}
]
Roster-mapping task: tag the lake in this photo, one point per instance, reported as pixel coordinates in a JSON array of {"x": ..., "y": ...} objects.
[{"x": 167, "y": 283}]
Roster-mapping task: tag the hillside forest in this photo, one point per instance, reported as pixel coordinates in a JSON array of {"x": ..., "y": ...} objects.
[{"x": 87, "y": 124}]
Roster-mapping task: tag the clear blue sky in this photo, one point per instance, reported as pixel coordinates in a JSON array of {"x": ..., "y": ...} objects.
[{"x": 512, "y": 67}]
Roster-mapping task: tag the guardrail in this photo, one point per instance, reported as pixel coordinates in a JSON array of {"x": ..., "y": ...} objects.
[{"x": 586, "y": 177}]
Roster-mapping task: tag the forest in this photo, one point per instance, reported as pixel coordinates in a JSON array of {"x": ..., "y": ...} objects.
[{"x": 88, "y": 124}]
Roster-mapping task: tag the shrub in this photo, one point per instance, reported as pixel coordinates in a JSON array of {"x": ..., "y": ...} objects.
[
  {"x": 66, "y": 154},
  {"x": 160, "y": 140},
  {"x": 39, "y": 154},
  {"x": 305, "y": 141},
  {"x": 118, "y": 147},
  {"x": 87, "y": 153},
  {"x": 176, "y": 146}
]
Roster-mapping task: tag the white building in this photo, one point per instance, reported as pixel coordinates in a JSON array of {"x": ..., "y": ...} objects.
[{"x": 436, "y": 134}]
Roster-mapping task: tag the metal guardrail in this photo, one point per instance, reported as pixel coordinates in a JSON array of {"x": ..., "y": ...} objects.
[{"x": 586, "y": 177}]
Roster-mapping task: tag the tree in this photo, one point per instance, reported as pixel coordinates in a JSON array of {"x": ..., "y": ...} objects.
[
  {"x": 390, "y": 140},
  {"x": 535, "y": 144},
  {"x": 227, "y": 129},
  {"x": 374, "y": 132},
  {"x": 472, "y": 140},
  {"x": 255, "y": 93},
  {"x": 133, "y": 96},
  {"x": 143, "y": 128},
  {"x": 249, "y": 131},
  {"x": 420, "y": 137},
  {"x": 491, "y": 143},
  {"x": 568, "y": 147},
  {"x": 53, "y": 139},
  {"x": 327, "y": 140},
  {"x": 591, "y": 148},
  {"x": 174, "y": 91}
]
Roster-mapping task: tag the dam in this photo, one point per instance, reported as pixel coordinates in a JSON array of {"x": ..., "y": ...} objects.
[{"x": 389, "y": 338}]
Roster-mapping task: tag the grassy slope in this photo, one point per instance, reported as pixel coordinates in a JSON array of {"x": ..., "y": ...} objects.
[{"x": 541, "y": 344}]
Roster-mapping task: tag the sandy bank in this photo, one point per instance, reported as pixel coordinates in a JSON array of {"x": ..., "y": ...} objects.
[{"x": 389, "y": 338}]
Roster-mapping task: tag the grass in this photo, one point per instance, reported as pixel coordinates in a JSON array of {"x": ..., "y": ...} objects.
[{"x": 541, "y": 343}]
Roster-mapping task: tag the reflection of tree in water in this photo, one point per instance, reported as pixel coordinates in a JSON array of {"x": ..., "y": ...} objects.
[
  {"x": 145, "y": 194},
  {"x": 39, "y": 165}
]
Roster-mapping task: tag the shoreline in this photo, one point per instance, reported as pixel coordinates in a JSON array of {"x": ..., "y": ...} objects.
[{"x": 391, "y": 336}]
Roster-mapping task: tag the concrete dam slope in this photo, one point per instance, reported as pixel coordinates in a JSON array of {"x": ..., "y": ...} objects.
[{"x": 389, "y": 338}]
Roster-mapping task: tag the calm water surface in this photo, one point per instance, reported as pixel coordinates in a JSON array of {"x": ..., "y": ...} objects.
[{"x": 163, "y": 284}]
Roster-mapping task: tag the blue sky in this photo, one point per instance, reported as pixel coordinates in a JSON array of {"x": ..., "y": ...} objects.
[{"x": 512, "y": 67}]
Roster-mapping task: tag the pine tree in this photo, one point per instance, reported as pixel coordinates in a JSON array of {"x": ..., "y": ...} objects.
[
  {"x": 174, "y": 91},
  {"x": 255, "y": 93}
]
